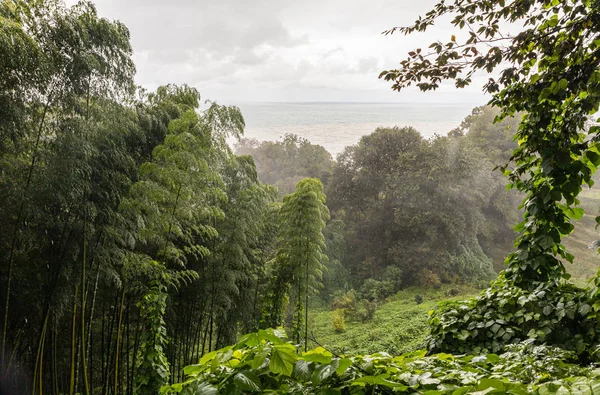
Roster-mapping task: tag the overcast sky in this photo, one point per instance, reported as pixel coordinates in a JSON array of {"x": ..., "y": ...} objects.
[{"x": 278, "y": 50}]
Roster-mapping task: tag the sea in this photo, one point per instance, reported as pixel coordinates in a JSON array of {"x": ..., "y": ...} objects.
[{"x": 337, "y": 125}]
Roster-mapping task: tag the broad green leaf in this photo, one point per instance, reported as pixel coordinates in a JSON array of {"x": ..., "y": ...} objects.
[
  {"x": 247, "y": 381},
  {"x": 321, "y": 374},
  {"x": 282, "y": 360},
  {"x": 208, "y": 357},
  {"x": 319, "y": 355},
  {"x": 379, "y": 380},
  {"x": 343, "y": 365},
  {"x": 301, "y": 370},
  {"x": 193, "y": 369},
  {"x": 204, "y": 389},
  {"x": 490, "y": 383},
  {"x": 260, "y": 357}
]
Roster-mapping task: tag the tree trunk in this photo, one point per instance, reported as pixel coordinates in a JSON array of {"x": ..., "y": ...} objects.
[{"x": 73, "y": 327}]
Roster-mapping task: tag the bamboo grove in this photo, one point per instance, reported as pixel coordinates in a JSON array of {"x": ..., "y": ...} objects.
[{"x": 133, "y": 241}]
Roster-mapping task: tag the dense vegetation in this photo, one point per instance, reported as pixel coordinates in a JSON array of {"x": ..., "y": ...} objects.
[
  {"x": 136, "y": 242},
  {"x": 133, "y": 240},
  {"x": 422, "y": 211}
]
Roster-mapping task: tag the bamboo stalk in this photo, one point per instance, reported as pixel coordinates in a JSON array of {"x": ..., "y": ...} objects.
[
  {"x": 15, "y": 232},
  {"x": 118, "y": 341},
  {"x": 43, "y": 343},
  {"x": 73, "y": 330}
]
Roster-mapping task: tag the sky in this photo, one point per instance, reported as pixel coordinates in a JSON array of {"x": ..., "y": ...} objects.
[{"x": 279, "y": 50}]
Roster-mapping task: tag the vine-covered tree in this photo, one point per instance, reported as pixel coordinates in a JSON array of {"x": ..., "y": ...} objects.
[{"x": 548, "y": 71}]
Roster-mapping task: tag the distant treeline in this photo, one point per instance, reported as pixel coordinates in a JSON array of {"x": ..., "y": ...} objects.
[{"x": 429, "y": 211}]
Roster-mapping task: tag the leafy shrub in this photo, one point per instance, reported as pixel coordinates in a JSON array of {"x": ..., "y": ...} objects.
[
  {"x": 376, "y": 290},
  {"x": 393, "y": 275},
  {"x": 266, "y": 362},
  {"x": 344, "y": 300},
  {"x": 554, "y": 314},
  {"x": 429, "y": 279},
  {"x": 346, "y": 305},
  {"x": 338, "y": 320},
  {"x": 365, "y": 310},
  {"x": 418, "y": 299}
]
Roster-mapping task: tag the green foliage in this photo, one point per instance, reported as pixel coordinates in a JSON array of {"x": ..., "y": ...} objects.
[
  {"x": 399, "y": 324},
  {"x": 549, "y": 74},
  {"x": 107, "y": 190},
  {"x": 264, "y": 362},
  {"x": 300, "y": 255},
  {"x": 504, "y": 314},
  {"x": 338, "y": 320},
  {"x": 153, "y": 370},
  {"x": 383, "y": 188},
  {"x": 361, "y": 310},
  {"x": 285, "y": 163},
  {"x": 335, "y": 276},
  {"x": 344, "y": 301},
  {"x": 375, "y": 290},
  {"x": 365, "y": 310}
]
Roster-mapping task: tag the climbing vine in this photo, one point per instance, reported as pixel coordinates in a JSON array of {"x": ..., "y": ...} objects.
[{"x": 549, "y": 72}]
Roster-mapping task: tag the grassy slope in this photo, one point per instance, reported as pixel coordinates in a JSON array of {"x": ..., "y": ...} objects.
[{"x": 399, "y": 324}]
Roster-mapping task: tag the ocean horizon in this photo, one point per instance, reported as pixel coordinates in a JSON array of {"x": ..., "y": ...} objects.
[{"x": 336, "y": 125}]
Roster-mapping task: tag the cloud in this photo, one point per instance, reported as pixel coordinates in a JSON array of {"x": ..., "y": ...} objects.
[{"x": 269, "y": 50}]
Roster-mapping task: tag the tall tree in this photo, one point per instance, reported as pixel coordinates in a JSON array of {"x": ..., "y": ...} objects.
[{"x": 301, "y": 249}]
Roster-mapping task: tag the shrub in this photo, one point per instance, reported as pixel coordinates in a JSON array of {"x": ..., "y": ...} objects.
[
  {"x": 376, "y": 290},
  {"x": 554, "y": 313},
  {"x": 272, "y": 364},
  {"x": 365, "y": 310},
  {"x": 427, "y": 278},
  {"x": 338, "y": 320},
  {"x": 344, "y": 300},
  {"x": 393, "y": 275}
]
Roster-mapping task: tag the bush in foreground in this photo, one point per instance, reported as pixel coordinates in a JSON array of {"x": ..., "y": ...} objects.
[{"x": 265, "y": 362}]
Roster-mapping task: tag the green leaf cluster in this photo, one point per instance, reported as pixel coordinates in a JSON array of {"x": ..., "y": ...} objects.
[{"x": 264, "y": 362}]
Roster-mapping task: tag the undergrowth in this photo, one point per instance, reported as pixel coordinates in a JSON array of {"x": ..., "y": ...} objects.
[{"x": 265, "y": 362}]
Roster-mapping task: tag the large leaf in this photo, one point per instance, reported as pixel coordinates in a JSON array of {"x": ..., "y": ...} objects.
[
  {"x": 319, "y": 355},
  {"x": 379, "y": 380},
  {"x": 321, "y": 374},
  {"x": 282, "y": 360},
  {"x": 301, "y": 370},
  {"x": 247, "y": 381}
]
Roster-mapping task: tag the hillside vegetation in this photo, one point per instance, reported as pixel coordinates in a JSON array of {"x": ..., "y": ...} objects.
[{"x": 398, "y": 326}]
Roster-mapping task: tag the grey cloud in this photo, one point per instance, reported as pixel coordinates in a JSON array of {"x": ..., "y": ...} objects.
[{"x": 270, "y": 49}]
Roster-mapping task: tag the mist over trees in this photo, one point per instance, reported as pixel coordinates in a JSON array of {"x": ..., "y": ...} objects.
[
  {"x": 433, "y": 210},
  {"x": 284, "y": 163}
]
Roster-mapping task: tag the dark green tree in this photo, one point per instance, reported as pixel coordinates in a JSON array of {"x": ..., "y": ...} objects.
[{"x": 300, "y": 255}]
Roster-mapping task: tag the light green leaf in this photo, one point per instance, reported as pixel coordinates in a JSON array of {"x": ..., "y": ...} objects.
[
  {"x": 319, "y": 355},
  {"x": 282, "y": 360}
]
